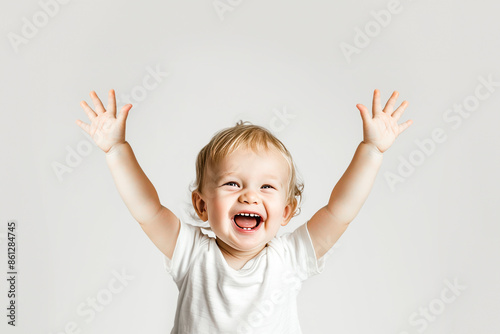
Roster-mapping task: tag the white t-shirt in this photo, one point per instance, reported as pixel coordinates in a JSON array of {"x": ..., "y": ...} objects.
[{"x": 258, "y": 298}]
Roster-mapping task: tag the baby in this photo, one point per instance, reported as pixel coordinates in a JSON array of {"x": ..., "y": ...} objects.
[{"x": 245, "y": 280}]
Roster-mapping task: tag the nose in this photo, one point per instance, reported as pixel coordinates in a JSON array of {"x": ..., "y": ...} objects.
[{"x": 249, "y": 197}]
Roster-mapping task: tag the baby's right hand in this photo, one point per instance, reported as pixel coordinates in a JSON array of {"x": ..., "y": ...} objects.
[{"x": 106, "y": 129}]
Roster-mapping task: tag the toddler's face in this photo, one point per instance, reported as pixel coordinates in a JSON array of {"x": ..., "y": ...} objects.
[{"x": 247, "y": 182}]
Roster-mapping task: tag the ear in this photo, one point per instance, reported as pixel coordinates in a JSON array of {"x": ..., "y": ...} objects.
[
  {"x": 199, "y": 205},
  {"x": 288, "y": 212}
]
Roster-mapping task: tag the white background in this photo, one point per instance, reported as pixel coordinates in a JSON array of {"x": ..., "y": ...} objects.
[{"x": 258, "y": 60}]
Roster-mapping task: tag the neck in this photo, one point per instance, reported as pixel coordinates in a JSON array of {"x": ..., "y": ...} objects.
[{"x": 237, "y": 255}]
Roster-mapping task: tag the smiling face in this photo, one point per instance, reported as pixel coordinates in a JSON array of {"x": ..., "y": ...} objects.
[{"x": 245, "y": 182}]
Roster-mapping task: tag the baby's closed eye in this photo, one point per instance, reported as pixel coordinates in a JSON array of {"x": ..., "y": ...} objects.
[
  {"x": 229, "y": 183},
  {"x": 265, "y": 186}
]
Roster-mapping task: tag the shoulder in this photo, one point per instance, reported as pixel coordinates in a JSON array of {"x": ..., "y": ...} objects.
[
  {"x": 290, "y": 242},
  {"x": 292, "y": 238},
  {"x": 296, "y": 248},
  {"x": 190, "y": 242},
  {"x": 193, "y": 234}
]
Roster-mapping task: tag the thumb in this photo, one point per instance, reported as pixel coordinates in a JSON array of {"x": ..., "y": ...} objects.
[
  {"x": 124, "y": 112},
  {"x": 365, "y": 115}
]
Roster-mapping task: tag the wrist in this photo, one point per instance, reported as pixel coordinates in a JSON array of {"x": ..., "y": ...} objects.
[
  {"x": 374, "y": 149},
  {"x": 115, "y": 148}
]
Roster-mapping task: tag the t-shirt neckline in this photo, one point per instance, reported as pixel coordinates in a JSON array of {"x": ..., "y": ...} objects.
[{"x": 247, "y": 268}]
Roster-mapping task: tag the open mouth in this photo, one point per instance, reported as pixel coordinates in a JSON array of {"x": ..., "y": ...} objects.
[{"x": 247, "y": 221}]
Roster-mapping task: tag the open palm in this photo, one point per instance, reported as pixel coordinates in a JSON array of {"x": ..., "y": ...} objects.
[
  {"x": 381, "y": 128},
  {"x": 105, "y": 128}
]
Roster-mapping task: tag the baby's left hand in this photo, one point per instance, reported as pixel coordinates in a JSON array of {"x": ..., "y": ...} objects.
[{"x": 382, "y": 129}]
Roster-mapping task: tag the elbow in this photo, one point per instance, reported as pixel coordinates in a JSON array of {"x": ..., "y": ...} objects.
[
  {"x": 340, "y": 216},
  {"x": 148, "y": 215}
]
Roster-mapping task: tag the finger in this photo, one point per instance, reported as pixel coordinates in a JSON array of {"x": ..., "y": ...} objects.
[
  {"x": 365, "y": 114},
  {"x": 376, "y": 102},
  {"x": 405, "y": 125},
  {"x": 90, "y": 113},
  {"x": 401, "y": 109},
  {"x": 83, "y": 125},
  {"x": 122, "y": 116},
  {"x": 390, "y": 103},
  {"x": 112, "y": 102},
  {"x": 99, "y": 108}
]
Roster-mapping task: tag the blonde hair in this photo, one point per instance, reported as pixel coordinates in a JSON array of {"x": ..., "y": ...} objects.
[{"x": 256, "y": 137}]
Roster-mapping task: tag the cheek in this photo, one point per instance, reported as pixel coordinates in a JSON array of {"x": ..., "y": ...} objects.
[
  {"x": 219, "y": 206},
  {"x": 277, "y": 206}
]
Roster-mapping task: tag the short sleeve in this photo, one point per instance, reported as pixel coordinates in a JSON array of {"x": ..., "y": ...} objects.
[
  {"x": 299, "y": 250},
  {"x": 188, "y": 243}
]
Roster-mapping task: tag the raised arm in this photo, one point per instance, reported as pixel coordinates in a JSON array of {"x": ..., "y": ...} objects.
[
  {"x": 108, "y": 131},
  {"x": 134, "y": 187},
  {"x": 349, "y": 194}
]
